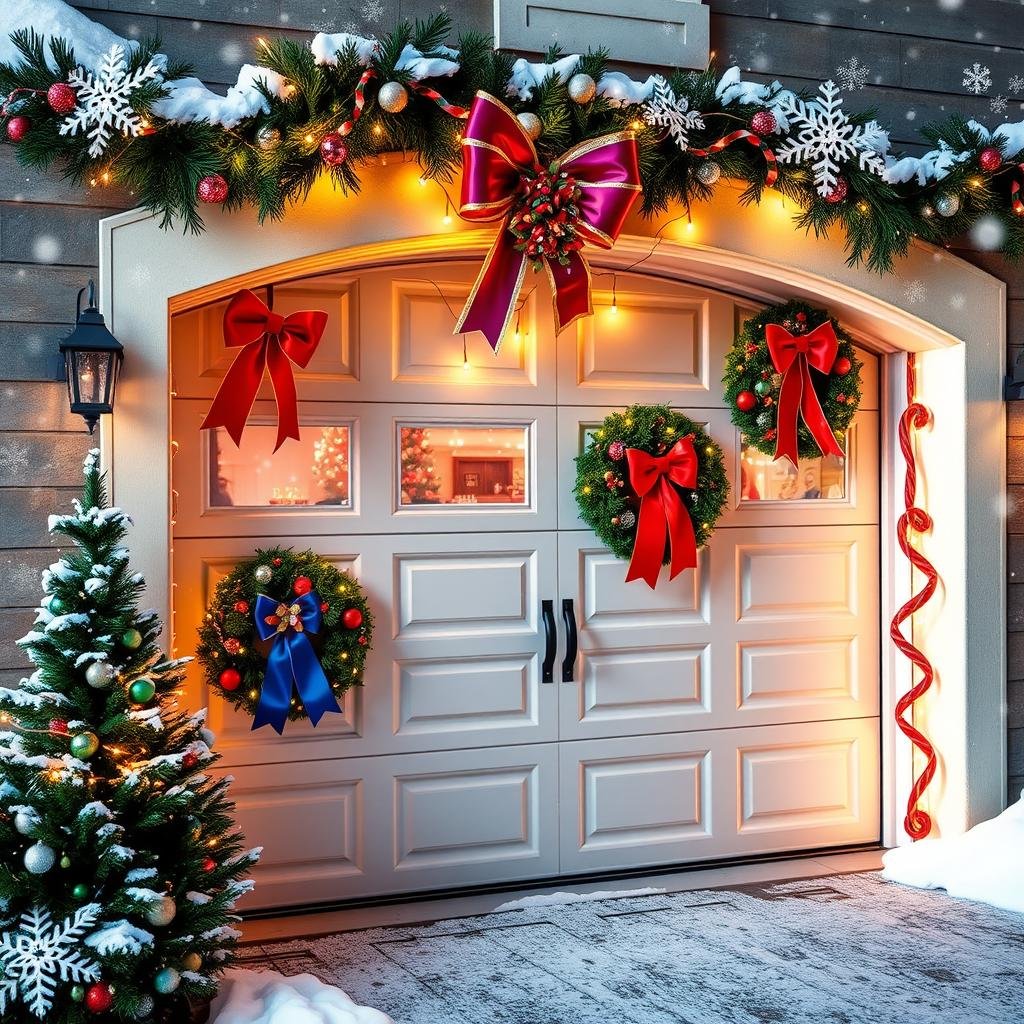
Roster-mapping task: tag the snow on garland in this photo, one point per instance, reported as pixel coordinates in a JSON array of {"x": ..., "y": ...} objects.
[
  {"x": 261, "y": 143},
  {"x": 651, "y": 484}
]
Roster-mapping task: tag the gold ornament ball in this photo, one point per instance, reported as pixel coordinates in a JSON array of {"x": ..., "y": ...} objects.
[
  {"x": 268, "y": 138},
  {"x": 191, "y": 961},
  {"x": 582, "y": 88},
  {"x": 162, "y": 912},
  {"x": 531, "y": 124},
  {"x": 393, "y": 97}
]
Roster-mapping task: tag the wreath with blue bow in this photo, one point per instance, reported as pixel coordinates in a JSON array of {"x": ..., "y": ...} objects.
[{"x": 287, "y": 633}]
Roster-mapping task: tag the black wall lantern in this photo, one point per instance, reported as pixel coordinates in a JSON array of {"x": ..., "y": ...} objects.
[{"x": 92, "y": 360}]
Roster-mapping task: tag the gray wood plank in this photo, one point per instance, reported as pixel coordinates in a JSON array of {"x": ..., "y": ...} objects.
[
  {"x": 24, "y": 184},
  {"x": 50, "y": 233},
  {"x": 1015, "y": 751},
  {"x": 1015, "y": 704},
  {"x": 1015, "y": 656},
  {"x": 20, "y": 571},
  {"x": 14, "y": 623},
  {"x": 28, "y": 352},
  {"x": 37, "y": 406},
  {"x": 24, "y": 512},
  {"x": 34, "y": 293},
  {"x": 26, "y": 458}
]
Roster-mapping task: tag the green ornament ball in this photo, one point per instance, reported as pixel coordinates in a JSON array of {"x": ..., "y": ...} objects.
[
  {"x": 85, "y": 744},
  {"x": 80, "y": 891},
  {"x": 142, "y": 691},
  {"x": 167, "y": 981},
  {"x": 77, "y": 993},
  {"x": 762, "y": 387},
  {"x": 65, "y": 862},
  {"x": 55, "y": 604},
  {"x": 132, "y": 639}
]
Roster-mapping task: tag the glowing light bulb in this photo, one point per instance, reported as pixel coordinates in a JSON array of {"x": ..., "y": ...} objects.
[
  {"x": 446, "y": 219},
  {"x": 308, "y": 139},
  {"x": 465, "y": 365},
  {"x": 423, "y": 182}
]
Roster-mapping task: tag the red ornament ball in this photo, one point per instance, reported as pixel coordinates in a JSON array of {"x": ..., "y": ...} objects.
[
  {"x": 58, "y": 725},
  {"x": 333, "y": 150},
  {"x": 230, "y": 679},
  {"x": 764, "y": 123},
  {"x": 302, "y": 585},
  {"x": 232, "y": 645},
  {"x": 208, "y": 864},
  {"x": 99, "y": 998},
  {"x": 241, "y": 606},
  {"x": 990, "y": 159},
  {"x": 276, "y": 561},
  {"x": 842, "y": 366},
  {"x": 17, "y": 127},
  {"x": 212, "y": 189},
  {"x": 840, "y": 190},
  {"x": 325, "y": 607},
  {"x": 616, "y": 450},
  {"x": 62, "y": 98},
  {"x": 801, "y": 318},
  {"x": 189, "y": 761},
  {"x": 363, "y": 641},
  {"x": 745, "y": 401},
  {"x": 352, "y": 619}
]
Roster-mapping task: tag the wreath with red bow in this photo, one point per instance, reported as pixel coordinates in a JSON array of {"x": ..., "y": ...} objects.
[
  {"x": 286, "y": 634},
  {"x": 792, "y": 382},
  {"x": 651, "y": 484}
]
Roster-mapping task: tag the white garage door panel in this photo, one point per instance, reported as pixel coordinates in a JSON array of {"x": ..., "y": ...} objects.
[{"x": 711, "y": 794}]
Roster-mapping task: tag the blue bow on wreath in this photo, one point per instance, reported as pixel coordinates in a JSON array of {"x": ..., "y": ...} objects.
[{"x": 292, "y": 660}]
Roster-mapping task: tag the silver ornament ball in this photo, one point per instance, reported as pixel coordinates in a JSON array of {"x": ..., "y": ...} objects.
[
  {"x": 39, "y": 858},
  {"x": 531, "y": 124},
  {"x": 263, "y": 573},
  {"x": 708, "y": 172},
  {"x": 25, "y": 822},
  {"x": 100, "y": 674},
  {"x": 162, "y": 912},
  {"x": 268, "y": 138},
  {"x": 167, "y": 981},
  {"x": 947, "y": 204},
  {"x": 582, "y": 88},
  {"x": 147, "y": 1004},
  {"x": 627, "y": 520},
  {"x": 393, "y": 97}
]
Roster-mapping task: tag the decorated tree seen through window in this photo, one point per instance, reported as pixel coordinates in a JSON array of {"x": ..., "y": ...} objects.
[
  {"x": 331, "y": 464},
  {"x": 420, "y": 484}
]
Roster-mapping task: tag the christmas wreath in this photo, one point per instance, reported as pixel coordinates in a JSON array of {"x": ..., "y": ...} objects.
[
  {"x": 281, "y": 622},
  {"x": 651, "y": 484},
  {"x": 792, "y": 382}
]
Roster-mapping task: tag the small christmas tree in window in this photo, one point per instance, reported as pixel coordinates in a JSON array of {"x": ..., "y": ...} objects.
[
  {"x": 330, "y": 464},
  {"x": 420, "y": 484},
  {"x": 119, "y": 862}
]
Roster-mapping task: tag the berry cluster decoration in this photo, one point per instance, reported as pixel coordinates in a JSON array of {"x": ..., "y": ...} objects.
[
  {"x": 607, "y": 501},
  {"x": 543, "y": 221},
  {"x": 235, "y": 659},
  {"x": 752, "y": 383}
]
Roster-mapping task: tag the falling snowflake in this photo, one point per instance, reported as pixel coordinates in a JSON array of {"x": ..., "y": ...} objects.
[
  {"x": 958, "y": 300},
  {"x": 105, "y": 99},
  {"x": 977, "y": 79},
  {"x": 826, "y": 136},
  {"x": 15, "y": 460},
  {"x": 372, "y": 10},
  {"x": 665, "y": 111},
  {"x": 42, "y": 953},
  {"x": 914, "y": 292},
  {"x": 1016, "y": 84},
  {"x": 998, "y": 104},
  {"x": 852, "y": 74}
]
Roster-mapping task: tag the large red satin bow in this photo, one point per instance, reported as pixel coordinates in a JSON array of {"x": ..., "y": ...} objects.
[
  {"x": 268, "y": 340},
  {"x": 663, "y": 515},
  {"x": 497, "y": 154},
  {"x": 794, "y": 355}
]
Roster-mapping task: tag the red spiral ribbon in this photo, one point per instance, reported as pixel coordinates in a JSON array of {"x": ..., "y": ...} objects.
[
  {"x": 918, "y": 822},
  {"x": 754, "y": 140},
  {"x": 435, "y": 97},
  {"x": 347, "y": 126}
]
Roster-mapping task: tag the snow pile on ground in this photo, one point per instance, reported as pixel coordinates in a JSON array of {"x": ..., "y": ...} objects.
[
  {"x": 265, "y": 997},
  {"x": 985, "y": 864},
  {"x": 556, "y": 899}
]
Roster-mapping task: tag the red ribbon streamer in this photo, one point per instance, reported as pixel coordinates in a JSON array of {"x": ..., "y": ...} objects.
[
  {"x": 268, "y": 341},
  {"x": 346, "y": 126},
  {"x": 497, "y": 155},
  {"x": 754, "y": 140},
  {"x": 918, "y": 822},
  {"x": 663, "y": 516},
  {"x": 432, "y": 94},
  {"x": 794, "y": 355}
]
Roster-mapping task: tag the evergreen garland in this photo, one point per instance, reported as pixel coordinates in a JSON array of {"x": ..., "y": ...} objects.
[
  {"x": 606, "y": 500},
  {"x": 162, "y": 168},
  {"x": 228, "y": 640},
  {"x": 749, "y": 369}
]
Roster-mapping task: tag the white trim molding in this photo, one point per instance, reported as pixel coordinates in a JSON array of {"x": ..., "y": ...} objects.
[{"x": 952, "y": 313}]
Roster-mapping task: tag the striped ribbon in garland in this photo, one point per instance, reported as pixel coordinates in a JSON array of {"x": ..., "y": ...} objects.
[
  {"x": 434, "y": 96},
  {"x": 754, "y": 140},
  {"x": 347, "y": 126}
]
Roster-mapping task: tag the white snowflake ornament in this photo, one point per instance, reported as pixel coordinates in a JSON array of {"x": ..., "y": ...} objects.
[
  {"x": 1016, "y": 84},
  {"x": 852, "y": 74},
  {"x": 977, "y": 79},
  {"x": 104, "y": 99},
  {"x": 826, "y": 138},
  {"x": 41, "y": 953},
  {"x": 663, "y": 110}
]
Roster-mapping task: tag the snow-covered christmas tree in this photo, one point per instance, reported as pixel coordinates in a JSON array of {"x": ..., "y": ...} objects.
[{"x": 119, "y": 862}]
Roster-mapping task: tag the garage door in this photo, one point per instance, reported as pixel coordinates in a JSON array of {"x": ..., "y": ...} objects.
[{"x": 732, "y": 711}]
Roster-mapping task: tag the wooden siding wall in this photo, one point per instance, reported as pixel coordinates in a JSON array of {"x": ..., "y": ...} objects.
[{"x": 48, "y": 239}]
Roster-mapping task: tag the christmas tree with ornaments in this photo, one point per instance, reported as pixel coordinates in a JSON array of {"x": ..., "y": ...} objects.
[
  {"x": 120, "y": 865},
  {"x": 420, "y": 484}
]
